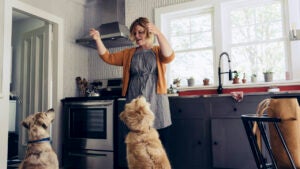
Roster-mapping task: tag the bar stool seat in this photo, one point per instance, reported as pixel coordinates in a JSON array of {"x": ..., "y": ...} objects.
[{"x": 261, "y": 161}]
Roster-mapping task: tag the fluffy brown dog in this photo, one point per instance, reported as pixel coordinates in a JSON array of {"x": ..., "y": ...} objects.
[
  {"x": 144, "y": 148},
  {"x": 39, "y": 153}
]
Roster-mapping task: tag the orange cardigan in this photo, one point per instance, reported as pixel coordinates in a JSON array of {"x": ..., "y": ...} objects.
[{"x": 123, "y": 58}]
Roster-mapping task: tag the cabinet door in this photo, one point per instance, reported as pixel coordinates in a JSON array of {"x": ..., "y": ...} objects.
[
  {"x": 188, "y": 144},
  {"x": 230, "y": 145},
  {"x": 122, "y": 130}
]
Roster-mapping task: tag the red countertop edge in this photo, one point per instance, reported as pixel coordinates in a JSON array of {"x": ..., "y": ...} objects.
[{"x": 245, "y": 90}]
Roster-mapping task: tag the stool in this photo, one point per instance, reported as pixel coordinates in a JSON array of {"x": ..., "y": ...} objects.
[{"x": 261, "y": 162}]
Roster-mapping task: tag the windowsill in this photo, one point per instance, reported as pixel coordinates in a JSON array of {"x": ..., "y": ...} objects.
[{"x": 262, "y": 85}]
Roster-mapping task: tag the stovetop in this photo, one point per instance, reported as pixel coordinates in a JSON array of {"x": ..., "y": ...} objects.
[{"x": 90, "y": 98}]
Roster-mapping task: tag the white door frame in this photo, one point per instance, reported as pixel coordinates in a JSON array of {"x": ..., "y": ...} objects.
[
  {"x": 36, "y": 67},
  {"x": 58, "y": 28}
]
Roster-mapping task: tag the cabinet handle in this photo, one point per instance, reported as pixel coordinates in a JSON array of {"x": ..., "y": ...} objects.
[
  {"x": 215, "y": 143},
  {"x": 179, "y": 110},
  {"x": 199, "y": 143},
  {"x": 235, "y": 109}
]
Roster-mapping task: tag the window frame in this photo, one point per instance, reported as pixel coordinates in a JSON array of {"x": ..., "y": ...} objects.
[
  {"x": 218, "y": 22},
  {"x": 228, "y": 6}
]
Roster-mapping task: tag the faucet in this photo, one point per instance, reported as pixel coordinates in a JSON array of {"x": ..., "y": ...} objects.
[{"x": 220, "y": 88}]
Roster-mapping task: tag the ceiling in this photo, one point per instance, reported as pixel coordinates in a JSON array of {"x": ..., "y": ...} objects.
[{"x": 17, "y": 16}]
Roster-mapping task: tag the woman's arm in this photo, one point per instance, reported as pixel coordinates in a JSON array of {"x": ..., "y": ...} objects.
[
  {"x": 113, "y": 59},
  {"x": 96, "y": 36},
  {"x": 162, "y": 41}
]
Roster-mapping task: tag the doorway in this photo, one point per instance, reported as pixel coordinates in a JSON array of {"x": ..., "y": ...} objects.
[
  {"x": 17, "y": 10},
  {"x": 30, "y": 67}
]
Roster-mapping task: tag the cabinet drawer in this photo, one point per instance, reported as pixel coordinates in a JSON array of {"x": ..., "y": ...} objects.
[
  {"x": 187, "y": 107},
  {"x": 228, "y": 107},
  {"x": 88, "y": 159}
]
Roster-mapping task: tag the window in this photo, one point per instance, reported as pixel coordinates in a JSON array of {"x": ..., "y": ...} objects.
[
  {"x": 253, "y": 34},
  {"x": 190, "y": 34},
  {"x": 256, "y": 38}
]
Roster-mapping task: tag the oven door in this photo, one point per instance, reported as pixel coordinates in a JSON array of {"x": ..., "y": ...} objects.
[
  {"x": 89, "y": 159},
  {"x": 90, "y": 125}
]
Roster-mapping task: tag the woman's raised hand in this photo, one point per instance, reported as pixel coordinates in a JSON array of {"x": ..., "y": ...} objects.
[
  {"x": 153, "y": 29},
  {"x": 95, "y": 34}
]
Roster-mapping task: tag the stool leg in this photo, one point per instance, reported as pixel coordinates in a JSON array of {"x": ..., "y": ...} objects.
[
  {"x": 248, "y": 124},
  {"x": 284, "y": 145},
  {"x": 267, "y": 143}
]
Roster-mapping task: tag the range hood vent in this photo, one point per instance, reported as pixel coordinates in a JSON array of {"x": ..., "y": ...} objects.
[{"x": 112, "y": 34}]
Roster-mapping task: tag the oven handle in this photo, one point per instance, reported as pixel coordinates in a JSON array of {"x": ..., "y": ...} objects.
[
  {"x": 86, "y": 154},
  {"x": 101, "y": 103}
]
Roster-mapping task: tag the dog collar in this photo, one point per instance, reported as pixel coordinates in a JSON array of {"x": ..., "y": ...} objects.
[
  {"x": 40, "y": 140},
  {"x": 141, "y": 131}
]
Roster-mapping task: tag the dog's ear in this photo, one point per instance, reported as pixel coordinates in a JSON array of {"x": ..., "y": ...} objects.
[{"x": 25, "y": 124}]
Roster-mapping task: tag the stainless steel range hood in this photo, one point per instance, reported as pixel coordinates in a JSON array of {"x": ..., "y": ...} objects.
[
  {"x": 112, "y": 34},
  {"x": 113, "y": 31}
]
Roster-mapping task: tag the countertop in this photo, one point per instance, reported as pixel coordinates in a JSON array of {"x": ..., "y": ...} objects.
[{"x": 281, "y": 93}]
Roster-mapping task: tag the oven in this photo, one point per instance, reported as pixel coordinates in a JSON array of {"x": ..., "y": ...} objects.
[{"x": 88, "y": 141}]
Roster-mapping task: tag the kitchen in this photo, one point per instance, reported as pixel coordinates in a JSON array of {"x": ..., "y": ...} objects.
[{"x": 75, "y": 60}]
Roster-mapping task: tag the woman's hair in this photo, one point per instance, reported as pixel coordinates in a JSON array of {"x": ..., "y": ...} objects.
[{"x": 141, "y": 21}]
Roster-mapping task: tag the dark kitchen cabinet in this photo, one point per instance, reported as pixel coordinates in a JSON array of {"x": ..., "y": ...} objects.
[
  {"x": 230, "y": 146},
  {"x": 189, "y": 143},
  {"x": 121, "y": 162}
]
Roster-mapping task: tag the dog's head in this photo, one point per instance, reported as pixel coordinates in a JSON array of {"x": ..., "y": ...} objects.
[
  {"x": 38, "y": 123},
  {"x": 137, "y": 115}
]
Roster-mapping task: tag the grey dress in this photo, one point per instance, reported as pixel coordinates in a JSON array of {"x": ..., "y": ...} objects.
[{"x": 143, "y": 81}]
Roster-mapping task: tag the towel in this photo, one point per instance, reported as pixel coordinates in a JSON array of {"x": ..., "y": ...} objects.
[{"x": 237, "y": 96}]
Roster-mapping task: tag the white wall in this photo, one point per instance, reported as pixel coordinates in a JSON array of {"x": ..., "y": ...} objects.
[
  {"x": 4, "y": 90},
  {"x": 294, "y": 15},
  {"x": 75, "y": 59}
]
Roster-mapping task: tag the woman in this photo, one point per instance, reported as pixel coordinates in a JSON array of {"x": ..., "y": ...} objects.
[{"x": 143, "y": 67}]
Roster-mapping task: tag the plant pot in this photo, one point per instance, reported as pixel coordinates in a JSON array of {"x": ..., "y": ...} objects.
[
  {"x": 253, "y": 79},
  {"x": 206, "y": 82},
  {"x": 268, "y": 77},
  {"x": 191, "y": 82},
  {"x": 244, "y": 80},
  {"x": 236, "y": 81}
]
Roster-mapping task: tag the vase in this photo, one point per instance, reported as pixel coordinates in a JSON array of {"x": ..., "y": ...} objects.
[
  {"x": 253, "y": 79},
  {"x": 191, "y": 82},
  {"x": 236, "y": 81},
  {"x": 244, "y": 80},
  {"x": 205, "y": 82},
  {"x": 268, "y": 76}
]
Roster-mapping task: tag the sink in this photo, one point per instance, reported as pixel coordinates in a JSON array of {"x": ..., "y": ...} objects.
[{"x": 216, "y": 95}]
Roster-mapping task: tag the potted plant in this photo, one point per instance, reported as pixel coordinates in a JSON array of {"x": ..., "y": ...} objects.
[
  {"x": 236, "y": 78},
  {"x": 191, "y": 81},
  {"x": 206, "y": 81},
  {"x": 253, "y": 78},
  {"x": 244, "y": 78},
  {"x": 176, "y": 82},
  {"x": 268, "y": 76}
]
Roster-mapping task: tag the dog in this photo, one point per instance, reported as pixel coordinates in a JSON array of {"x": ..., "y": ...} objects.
[
  {"x": 39, "y": 153},
  {"x": 144, "y": 149}
]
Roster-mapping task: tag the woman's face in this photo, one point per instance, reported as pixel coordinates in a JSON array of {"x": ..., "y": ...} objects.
[{"x": 139, "y": 34}]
